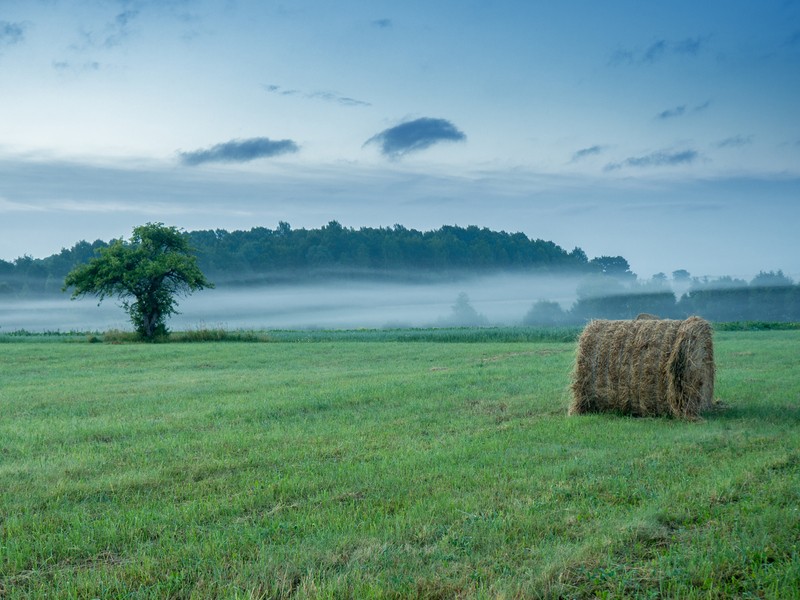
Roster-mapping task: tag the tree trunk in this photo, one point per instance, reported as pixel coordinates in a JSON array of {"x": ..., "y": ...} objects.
[{"x": 150, "y": 321}]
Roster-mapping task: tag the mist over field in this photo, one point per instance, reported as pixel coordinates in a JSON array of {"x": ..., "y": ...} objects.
[
  {"x": 502, "y": 299},
  {"x": 449, "y": 301}
]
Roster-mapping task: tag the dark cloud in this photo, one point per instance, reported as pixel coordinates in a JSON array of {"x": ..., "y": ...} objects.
[
  {"x": 11, "y": 33},
  {"x": 415, "y": 135},
  {"x": 735, "y": 141},
  {"x": 656, "y": 159},
  {"x": 671, "y": 113},
  {"x": 240, "y": 151},
  {"x": 657, "y": 51},
  {"x": 584, "y": 152},
  {"x": 320, "y": 95},
  {"x": 382, "y": 23}
]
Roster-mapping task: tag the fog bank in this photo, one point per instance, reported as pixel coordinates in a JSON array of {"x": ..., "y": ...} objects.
[{"x": 502, "y": 299}]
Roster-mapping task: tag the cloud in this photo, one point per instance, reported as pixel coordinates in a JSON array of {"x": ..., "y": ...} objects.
[
  {"x": 240, "y": 151},
  {"x": 11, "y": 33},
  {"x": 735, "y": 141},
  {"x": 7, "y": 206},
  {"x": 65, "y": 66},
  {"x": 331, "y": 97},
  {"x": 657, "y": 51},
  {"x": 622, "y": 57},
  {"x": 113, "y": 34},
  {"x": 584, "y": 152},
  {"x": 690, "y": 46},
  {"x": 656, "y": 159},
  {"x": 382, "y": 23},
  {"x": 319, "y": 95},
  {"x": 671, "y": 113},
  {"x": 681, "y": 110},
  {"x": 276, "y": 89},
  {"x": 416, "y": 135}
]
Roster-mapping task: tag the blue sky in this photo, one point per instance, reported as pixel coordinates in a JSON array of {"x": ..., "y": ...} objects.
[{"x": 667, "y": 132}]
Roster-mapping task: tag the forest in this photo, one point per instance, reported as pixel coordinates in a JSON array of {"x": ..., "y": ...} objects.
[
  {"x": 298, "y": 255},
  {"x": 284, "y": 255}
]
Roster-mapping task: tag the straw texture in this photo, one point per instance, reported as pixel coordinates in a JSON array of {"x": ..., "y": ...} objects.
[{"x": 647, "y": 367}]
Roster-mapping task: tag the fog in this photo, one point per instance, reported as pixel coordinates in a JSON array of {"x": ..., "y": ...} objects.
[{"x": 502, "y": 299}]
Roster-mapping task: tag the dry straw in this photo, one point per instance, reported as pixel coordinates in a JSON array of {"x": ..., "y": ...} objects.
[{"x": 647, "y": 367}]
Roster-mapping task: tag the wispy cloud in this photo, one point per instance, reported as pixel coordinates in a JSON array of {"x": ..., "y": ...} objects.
[
  {"x": 7, "y": 206},
  {"x": 655, "y": 51},
  {"x": 690, "y": 46},
  {"x": 671, "y": 113},
  {"x": 382, "y": 23},
  {"x": 11, "y": 33},
  {"x": 413, "y": 136},
  {"x": 586, "y": 152},
  {"x": 65, "y": 66},
  {"x": 735, "y": 141},
  {"x": 318, "y": 95},
  {"x": 113, "y": 34},
  {"x": 681, "y": 110},
  {"x": 336, "y": 98},
  {"x": 656, "y": 159},
  {"x": 659, "y": 50},
  {"x": 240, "y": 151}
]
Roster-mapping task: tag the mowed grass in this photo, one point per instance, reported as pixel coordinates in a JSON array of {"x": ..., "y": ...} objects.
[{"x": 387, "y": 469}]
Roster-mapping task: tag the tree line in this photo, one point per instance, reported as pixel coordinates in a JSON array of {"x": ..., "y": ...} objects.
[
  {"x": 608, "y": 290},
  {"x": 769, "y": 296},
  {"x": 287, "y": 254}
]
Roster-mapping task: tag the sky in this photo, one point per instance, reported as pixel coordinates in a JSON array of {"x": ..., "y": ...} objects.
[{"x": 665, "y": 132}]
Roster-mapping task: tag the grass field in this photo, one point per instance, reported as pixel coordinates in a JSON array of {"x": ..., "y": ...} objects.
[{"x": 423, "y": 467}]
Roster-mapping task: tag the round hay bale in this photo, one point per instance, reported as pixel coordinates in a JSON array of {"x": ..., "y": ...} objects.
[{"x": 644, "y": 368}]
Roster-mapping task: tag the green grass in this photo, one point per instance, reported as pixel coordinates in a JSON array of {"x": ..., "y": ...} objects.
[{"x": 387, "y": 469}]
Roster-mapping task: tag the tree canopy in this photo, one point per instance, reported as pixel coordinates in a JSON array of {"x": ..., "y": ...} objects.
[
  {"x": 287, "y": 254},
  {"x": 146, "y": 273}
]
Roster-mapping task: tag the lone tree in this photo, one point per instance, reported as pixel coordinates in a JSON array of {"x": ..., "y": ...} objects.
[{"x": 145, "y": 273}]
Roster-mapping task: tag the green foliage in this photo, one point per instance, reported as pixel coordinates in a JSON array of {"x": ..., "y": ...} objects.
[
  {"x": 613, "y": 266},
  {"x": 770, "y": 297},
  {"x": 146, "y": 274},
  {"x": 334, "y": 249},
  {"x": 288, "y": 254},
  {"x": 441, "y": 335},
  {"x": 757, "y": 326},
  {"x": 204, "y": 334}
]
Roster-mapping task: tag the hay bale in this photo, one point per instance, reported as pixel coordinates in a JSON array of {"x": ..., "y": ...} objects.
[{"x": 645, "y": 367}]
